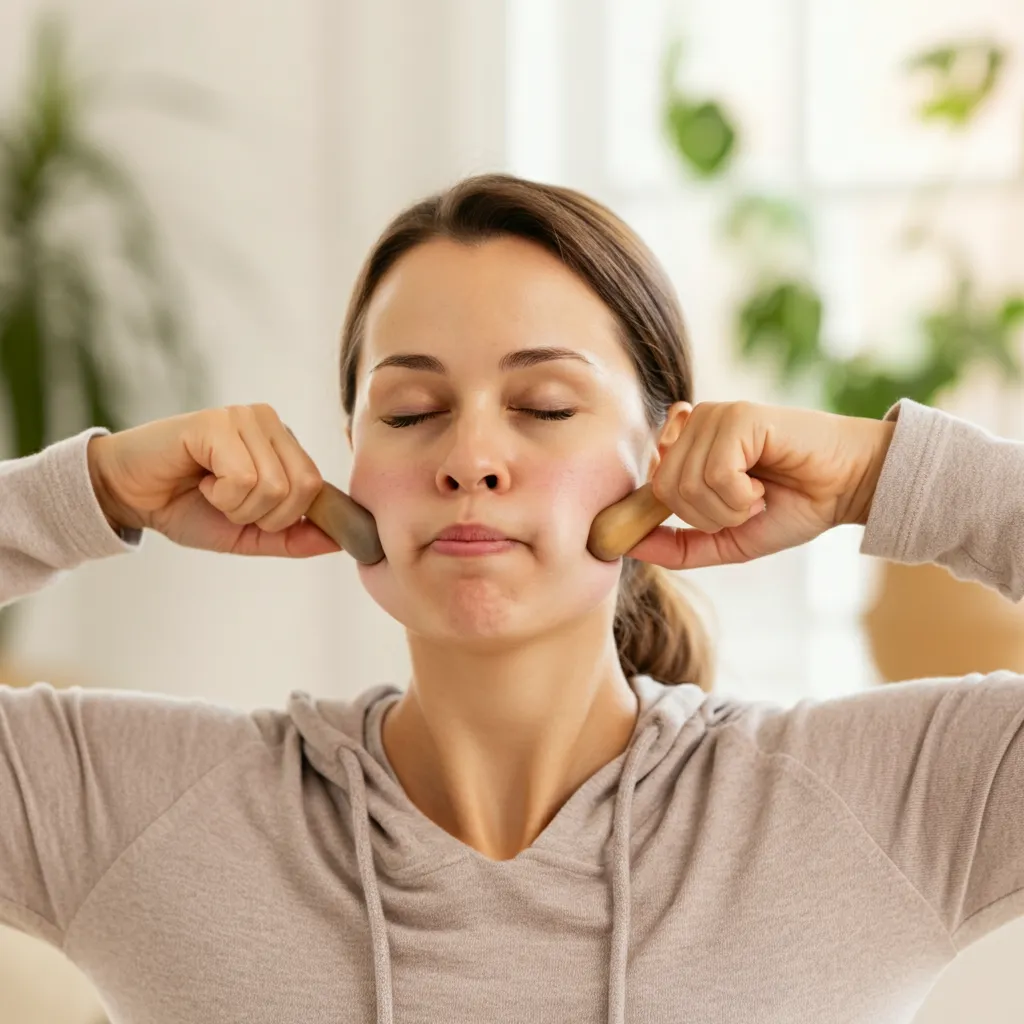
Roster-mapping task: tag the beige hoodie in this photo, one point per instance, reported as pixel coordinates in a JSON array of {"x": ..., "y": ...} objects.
[{"x": 740, "y": 862}]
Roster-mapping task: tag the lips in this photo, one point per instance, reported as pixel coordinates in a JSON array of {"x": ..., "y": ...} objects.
[{"x": 471, "y": 532}]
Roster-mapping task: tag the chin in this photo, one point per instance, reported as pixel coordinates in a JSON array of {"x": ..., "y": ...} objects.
[{"x": 479, "y": 609}]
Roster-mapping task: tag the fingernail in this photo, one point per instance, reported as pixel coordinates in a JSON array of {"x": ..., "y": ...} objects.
[{"x": 758, "y": 507}]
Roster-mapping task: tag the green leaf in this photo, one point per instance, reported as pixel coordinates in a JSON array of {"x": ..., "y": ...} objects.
[
  {"x": 853, "y": 387},
  {"x": 963, "y": 77},
  {"x": 783, "y": 321},
  {"x": 701, "y": 132},
  {"x": 34, "y": 141},
  {"x": 94, "y": 385},
  {"x": 702, "y": 135},
  {"x": 941, "y": 59},
  {"x": 1012, "y": 312},
  {"x": 778, "y": 217},
  {"x": 77, "y": 336},
  {"x": 23, "y": 370}
]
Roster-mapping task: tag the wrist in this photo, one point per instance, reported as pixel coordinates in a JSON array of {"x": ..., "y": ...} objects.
[
  {"x": 116, "y": 514},
  {"x": 860, "y": 507}
]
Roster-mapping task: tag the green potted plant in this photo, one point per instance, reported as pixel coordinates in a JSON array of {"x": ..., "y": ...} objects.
[
  {"x": 925, "y": 622},
  {"x": 85, "y": 288}
]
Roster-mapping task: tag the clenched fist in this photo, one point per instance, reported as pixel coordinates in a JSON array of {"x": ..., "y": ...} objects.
[
  {"x": 232, "y": 480},
  {"x": 754, "y": 479}
]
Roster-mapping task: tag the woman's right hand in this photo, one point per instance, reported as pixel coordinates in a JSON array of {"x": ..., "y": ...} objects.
[{"x": 232, "y": 480}]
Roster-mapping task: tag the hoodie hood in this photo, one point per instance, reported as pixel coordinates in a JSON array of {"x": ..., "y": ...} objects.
[{"x": 342, "y": 741}]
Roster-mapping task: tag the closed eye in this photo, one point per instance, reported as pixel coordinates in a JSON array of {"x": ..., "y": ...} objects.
[{"x": 542, "y": 414}]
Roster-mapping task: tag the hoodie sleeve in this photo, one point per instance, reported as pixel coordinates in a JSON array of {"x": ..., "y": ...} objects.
[
  {"x": 50, "y": 518},
  {"x": 83, "y": 773},
  {"x": 953, "y": 494},
  {"x": 933, "y": 769}
]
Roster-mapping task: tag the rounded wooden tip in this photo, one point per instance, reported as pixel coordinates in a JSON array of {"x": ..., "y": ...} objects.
[
  {"x": 623, "y": 525},
  {"x": 347, "y": 523}
]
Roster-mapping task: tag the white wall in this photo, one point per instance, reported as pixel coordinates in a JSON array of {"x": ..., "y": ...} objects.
[{"x": 338, "y": 113}]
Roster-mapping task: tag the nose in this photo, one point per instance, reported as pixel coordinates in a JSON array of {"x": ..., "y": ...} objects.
[{"x": 475, "y": 461}]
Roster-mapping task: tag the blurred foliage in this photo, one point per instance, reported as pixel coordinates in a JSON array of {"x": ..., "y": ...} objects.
[
  {"x": 700, "y": 129},
  {"x": 784, "y": 320},
  {"x": 779, "y": 320},
  {"x": 961, "y": 77},
  {"x": 59, "y": 313}
]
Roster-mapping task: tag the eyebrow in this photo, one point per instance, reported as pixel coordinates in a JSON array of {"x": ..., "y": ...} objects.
[{"x": 520, "y": 359}]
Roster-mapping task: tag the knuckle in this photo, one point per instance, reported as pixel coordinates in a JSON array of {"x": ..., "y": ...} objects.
[
  {"x": 740, "y": 410},
  {"x": 310, "y": 482},
  {"x": 264, "y": 410},
  {"x": 238, "y": 413},
  {"x": 275, "y": 487},
  {"x": 691, "y": 489},
  {"x": 222, "y": 416},
  {"x": 661, "y": 490},
  {"x": 717, "y": 475}
]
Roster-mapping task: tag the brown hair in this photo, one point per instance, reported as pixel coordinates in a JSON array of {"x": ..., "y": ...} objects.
[{"x": 657, "y": 631}]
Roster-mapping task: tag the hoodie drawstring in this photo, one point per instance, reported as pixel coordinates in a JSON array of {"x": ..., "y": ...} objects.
[
  {"x": 620, "y": 881},
  {"x": 622, "y": 897},
  {"x": 368, "y": 875}
]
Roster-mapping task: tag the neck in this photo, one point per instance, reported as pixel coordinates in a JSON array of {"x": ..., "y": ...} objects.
[{"x": 489, "y": 745}]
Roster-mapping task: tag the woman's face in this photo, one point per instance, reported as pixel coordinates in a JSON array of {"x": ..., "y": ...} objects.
[{"x": 480, "y": 455}]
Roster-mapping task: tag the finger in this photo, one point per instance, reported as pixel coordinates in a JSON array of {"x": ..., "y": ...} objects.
[
  {"x": 218, "y": 447},
  {"x": 300, "y": 540},
  {"x": 675, "y": 548},
  {"x": 272, "y": 486},
  {"x": 304, "y": 480},
  {"x": 693, "y": 500},
  {"x": 733, "y": 451},
  {"x": 670, "y": 470},
  {"x": 703, "y": 470}
]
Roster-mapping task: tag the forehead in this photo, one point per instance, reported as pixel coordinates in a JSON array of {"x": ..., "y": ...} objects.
[{"x": 461, "y": 301}]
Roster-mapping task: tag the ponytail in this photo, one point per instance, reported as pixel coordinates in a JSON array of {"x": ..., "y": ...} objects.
[{"x": 658, "y": 631}]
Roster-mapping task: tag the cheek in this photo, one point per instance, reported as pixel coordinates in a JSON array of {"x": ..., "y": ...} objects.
[
  {"x": 575, "y": 491},
  {"x": 382, "y": 484},
  {"x": 563, "y": 498},
  {"x": 392, "y": 495}
]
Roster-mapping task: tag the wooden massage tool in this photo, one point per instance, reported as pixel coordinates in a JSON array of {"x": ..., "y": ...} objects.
[{"x": 614, "y": 531}]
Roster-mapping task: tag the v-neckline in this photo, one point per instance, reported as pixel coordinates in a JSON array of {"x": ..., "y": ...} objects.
[{"x": 545, "y": 843}]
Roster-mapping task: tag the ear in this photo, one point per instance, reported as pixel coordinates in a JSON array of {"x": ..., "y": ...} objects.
[{"x": 675, "y": 419}]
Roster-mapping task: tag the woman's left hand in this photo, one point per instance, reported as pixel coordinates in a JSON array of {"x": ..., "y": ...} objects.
[{"x": 722, "y": 461}]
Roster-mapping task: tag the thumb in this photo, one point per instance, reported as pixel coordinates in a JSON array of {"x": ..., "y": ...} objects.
[
  {"x": 205, "y": 486},
  {"x": 300, "y": 540},
  {"x": 683, "y": 548}
]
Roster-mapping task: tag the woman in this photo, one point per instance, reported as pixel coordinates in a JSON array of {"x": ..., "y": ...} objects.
[{"x": 556, "y": 820}]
